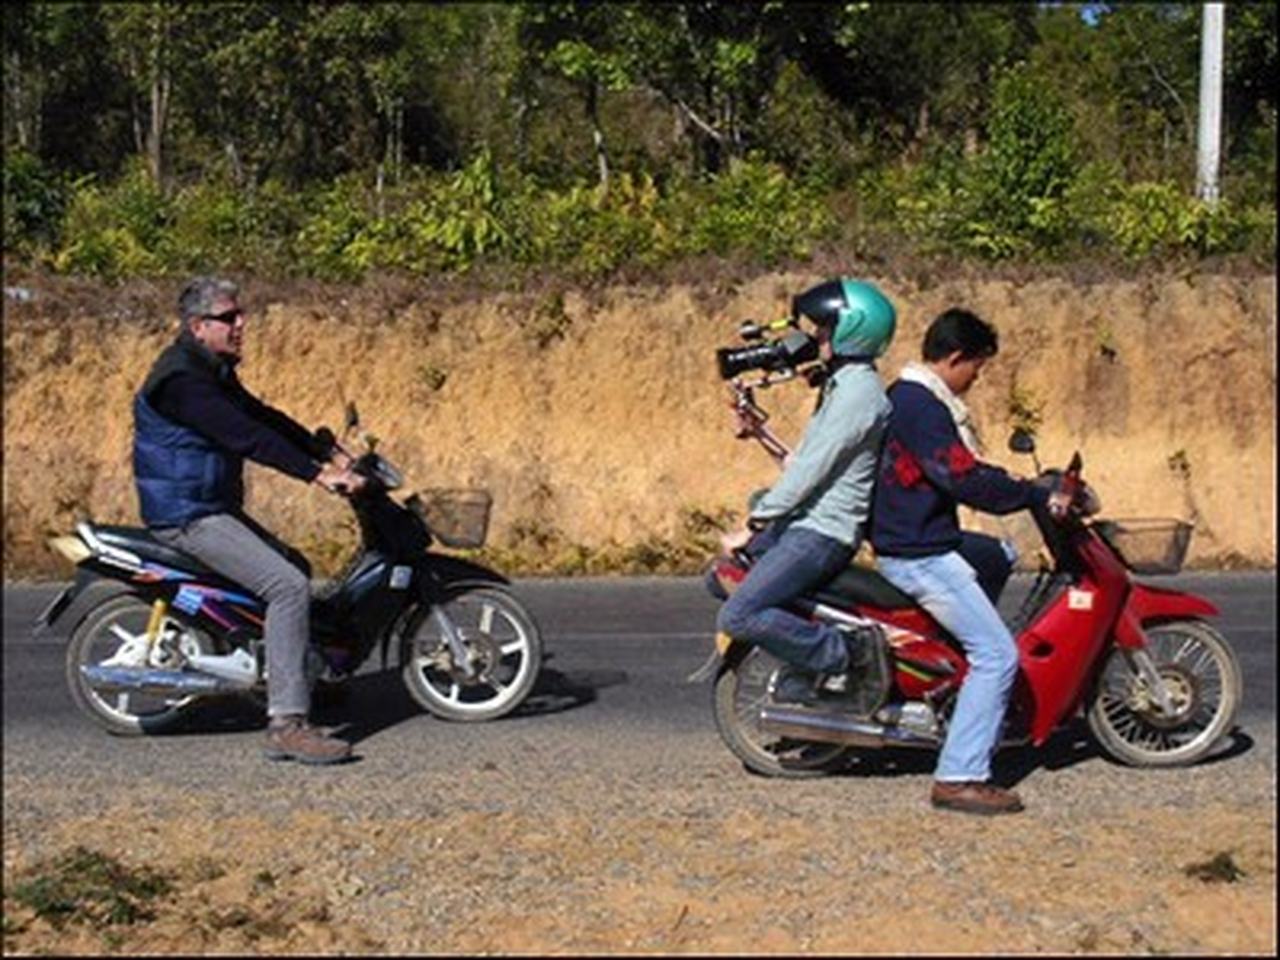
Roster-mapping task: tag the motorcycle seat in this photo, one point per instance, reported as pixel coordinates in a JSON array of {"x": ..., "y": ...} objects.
[
  {"x": 139, "y": 540},
  {"x": 857, "y": 584}
]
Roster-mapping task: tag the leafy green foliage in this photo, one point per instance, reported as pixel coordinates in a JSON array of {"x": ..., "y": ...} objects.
[
  {"x": 755, "y": 208},
  {"x": 1160, "y": 217},
  {"x": 1020, "y": 183},
  {"x": 34, "y": 202},
  {"x": 115, "y": 231},
  {"x": 342, "y": 139}
]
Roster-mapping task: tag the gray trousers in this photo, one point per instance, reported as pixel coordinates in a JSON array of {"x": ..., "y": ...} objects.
[{"x": 238, "y": 548}]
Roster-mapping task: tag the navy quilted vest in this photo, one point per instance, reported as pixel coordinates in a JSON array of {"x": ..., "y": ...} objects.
[{"x": 181, "y": 475}]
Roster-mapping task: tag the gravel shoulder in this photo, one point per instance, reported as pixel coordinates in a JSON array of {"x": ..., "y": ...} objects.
[
  {"x": 662, "y": 845},
  {"x": 619, "y": 824}
]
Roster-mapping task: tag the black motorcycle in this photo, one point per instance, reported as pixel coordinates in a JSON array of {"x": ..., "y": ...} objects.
[{"x": 180, "y": 633}]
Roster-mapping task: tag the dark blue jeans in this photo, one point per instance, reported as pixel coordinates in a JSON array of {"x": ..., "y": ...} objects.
[
  {"x": 990, "y": 560},
  {"x": 795, "y": 562}
]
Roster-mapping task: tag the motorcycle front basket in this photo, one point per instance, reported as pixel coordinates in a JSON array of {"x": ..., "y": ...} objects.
[
  {"x": 457, "y": 518},
  {"x": 1149, "y": 545}
]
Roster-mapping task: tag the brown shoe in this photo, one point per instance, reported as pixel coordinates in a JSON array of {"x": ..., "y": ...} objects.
[
  {"x": 292, "y": 738},
  {"x": 972, "y": 796}
]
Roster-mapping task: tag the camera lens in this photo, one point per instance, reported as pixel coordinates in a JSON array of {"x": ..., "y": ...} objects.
[{"x": 789, "y": 352}]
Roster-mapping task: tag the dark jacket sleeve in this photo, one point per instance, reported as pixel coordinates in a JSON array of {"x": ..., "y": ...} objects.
[
  {"x": 286, "y": 426},
  {"x": 935, "y": 446},
  {"x": 205, "y": 407}
]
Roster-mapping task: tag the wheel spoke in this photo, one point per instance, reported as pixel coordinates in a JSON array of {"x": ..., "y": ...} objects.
[
  {"x": 119, "y": 631},
  {"x": 512, "y": 646},
  {"x": 486, "y": 619}
]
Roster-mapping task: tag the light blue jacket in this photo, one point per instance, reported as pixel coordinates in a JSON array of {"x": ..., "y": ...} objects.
[{"x": 828, "y": 483}]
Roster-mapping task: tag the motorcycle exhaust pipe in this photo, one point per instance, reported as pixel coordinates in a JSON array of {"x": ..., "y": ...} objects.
[
  {"x": 158, "y": 682},
  {"x": 802, "y": 724}
]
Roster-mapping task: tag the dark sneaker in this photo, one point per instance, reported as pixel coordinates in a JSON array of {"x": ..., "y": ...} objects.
[
  {"x": 868, "y": 653},
  {"x": 868, "y": 676},
  {"x": 292, "y": 738},
  {"x": 974, "y": 796}
]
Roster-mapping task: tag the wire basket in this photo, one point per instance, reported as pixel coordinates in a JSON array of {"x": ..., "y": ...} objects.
[
  {"x": 457, "y": 518},
  {"x": 1149, "y": 546}
]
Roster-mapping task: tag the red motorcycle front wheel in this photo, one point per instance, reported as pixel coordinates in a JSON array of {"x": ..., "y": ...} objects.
[{"x": 1202, "y": 676}]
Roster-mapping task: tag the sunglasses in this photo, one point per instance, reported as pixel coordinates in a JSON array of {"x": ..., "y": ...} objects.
[{"x": 227, "y": 316}]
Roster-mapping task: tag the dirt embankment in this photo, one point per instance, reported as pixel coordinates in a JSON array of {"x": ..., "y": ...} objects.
[{"x": 600, "y": 425}]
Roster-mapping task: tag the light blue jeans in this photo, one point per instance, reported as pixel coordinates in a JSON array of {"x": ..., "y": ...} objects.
[{"x": 947, "y": 587}]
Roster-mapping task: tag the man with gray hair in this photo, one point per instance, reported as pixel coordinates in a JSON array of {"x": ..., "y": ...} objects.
[{"x": 194, "y": 426}]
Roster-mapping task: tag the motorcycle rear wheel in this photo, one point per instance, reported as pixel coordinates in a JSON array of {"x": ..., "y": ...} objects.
[
  {"x": 499, "y": 633},
  {"x": 740, "y": 690},
  {"x": 103, "y": 635},
  {"x": 1203, "y": 676}
]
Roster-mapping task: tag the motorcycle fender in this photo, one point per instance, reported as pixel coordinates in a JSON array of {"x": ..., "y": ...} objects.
[
  {"x": 438, "y": 572},
  {"x": 1146, "y": 604},
  {"x": 711, "y": 666},
  {"x": 62, "y": 602}
]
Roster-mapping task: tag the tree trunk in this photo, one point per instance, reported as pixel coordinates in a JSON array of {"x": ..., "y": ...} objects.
[
  {"x": 17, "y": 127},
  {"x": 597, "y": 137},
  {"x": 161, "y": 88}
]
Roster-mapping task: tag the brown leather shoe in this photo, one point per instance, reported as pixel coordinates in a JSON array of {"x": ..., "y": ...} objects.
[
  {"x": 292, "y": 738},
  {"x": 973, "y": 796}
]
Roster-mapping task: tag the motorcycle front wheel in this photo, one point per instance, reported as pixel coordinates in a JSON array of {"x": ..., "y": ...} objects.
[
  {"x": 741, "y": 689},
  {"x": 1202, "y": 675},
  {"x": 504, "y": 644},
  {"x": 114, "y": 634}
]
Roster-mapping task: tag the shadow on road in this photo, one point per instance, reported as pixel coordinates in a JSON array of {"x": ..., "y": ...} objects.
[
  {"x": 369, "y": 703},
  {"x": 1067, "y": 747}
]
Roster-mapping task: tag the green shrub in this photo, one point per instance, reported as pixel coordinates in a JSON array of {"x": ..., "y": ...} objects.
[
  {"x": 219, "y": 226},
  {"x": 591, "y": 232},
  {"x": 116, "y": 231},
  {"x": 328, "y": 242},
  {"x": 753, "y": 208},
  {"x": 461, "y": 219},
  {"x": 1152, "y": 217},
  {"x": 1021, "y": 182},
  {"x": 932, "y": 202},
  {"x": 34, "y": 203}
]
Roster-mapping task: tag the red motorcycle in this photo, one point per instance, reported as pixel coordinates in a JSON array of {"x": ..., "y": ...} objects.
[{"x": 1158, "y": 685}]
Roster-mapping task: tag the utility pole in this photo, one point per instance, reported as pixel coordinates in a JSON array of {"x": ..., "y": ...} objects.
[{"x": 1209, "y": 134}]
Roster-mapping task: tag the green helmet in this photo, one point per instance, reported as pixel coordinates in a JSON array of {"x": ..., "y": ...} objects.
[{"x": 861, "y": 317}]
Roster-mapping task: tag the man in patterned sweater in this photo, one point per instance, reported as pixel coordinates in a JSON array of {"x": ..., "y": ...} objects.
[{"x": 929, "y": 465}]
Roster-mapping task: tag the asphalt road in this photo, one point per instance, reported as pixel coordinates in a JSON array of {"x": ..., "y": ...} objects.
[{"x": 620, "y": 649}]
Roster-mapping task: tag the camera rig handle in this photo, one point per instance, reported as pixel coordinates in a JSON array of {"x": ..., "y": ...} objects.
[{"x": 752, "y": 419}]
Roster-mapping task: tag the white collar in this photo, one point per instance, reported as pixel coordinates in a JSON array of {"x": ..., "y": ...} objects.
[{"x": 918, "y": 373}]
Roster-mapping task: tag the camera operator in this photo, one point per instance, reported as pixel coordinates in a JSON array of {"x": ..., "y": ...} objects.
[{"x": 813, "y": 517}]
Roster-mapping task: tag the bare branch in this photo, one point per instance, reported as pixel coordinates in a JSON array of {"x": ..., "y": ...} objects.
[{"x": 1155, "y": 71}]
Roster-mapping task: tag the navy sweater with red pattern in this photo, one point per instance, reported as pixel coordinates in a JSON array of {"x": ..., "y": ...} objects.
[{"x": 925, "y": 471}]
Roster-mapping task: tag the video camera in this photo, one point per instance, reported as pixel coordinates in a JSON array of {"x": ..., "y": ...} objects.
[{"x": 784, "y": 353}]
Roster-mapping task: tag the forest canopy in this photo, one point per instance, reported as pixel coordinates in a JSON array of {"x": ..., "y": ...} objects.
[{"x": 339, "y": 140}]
